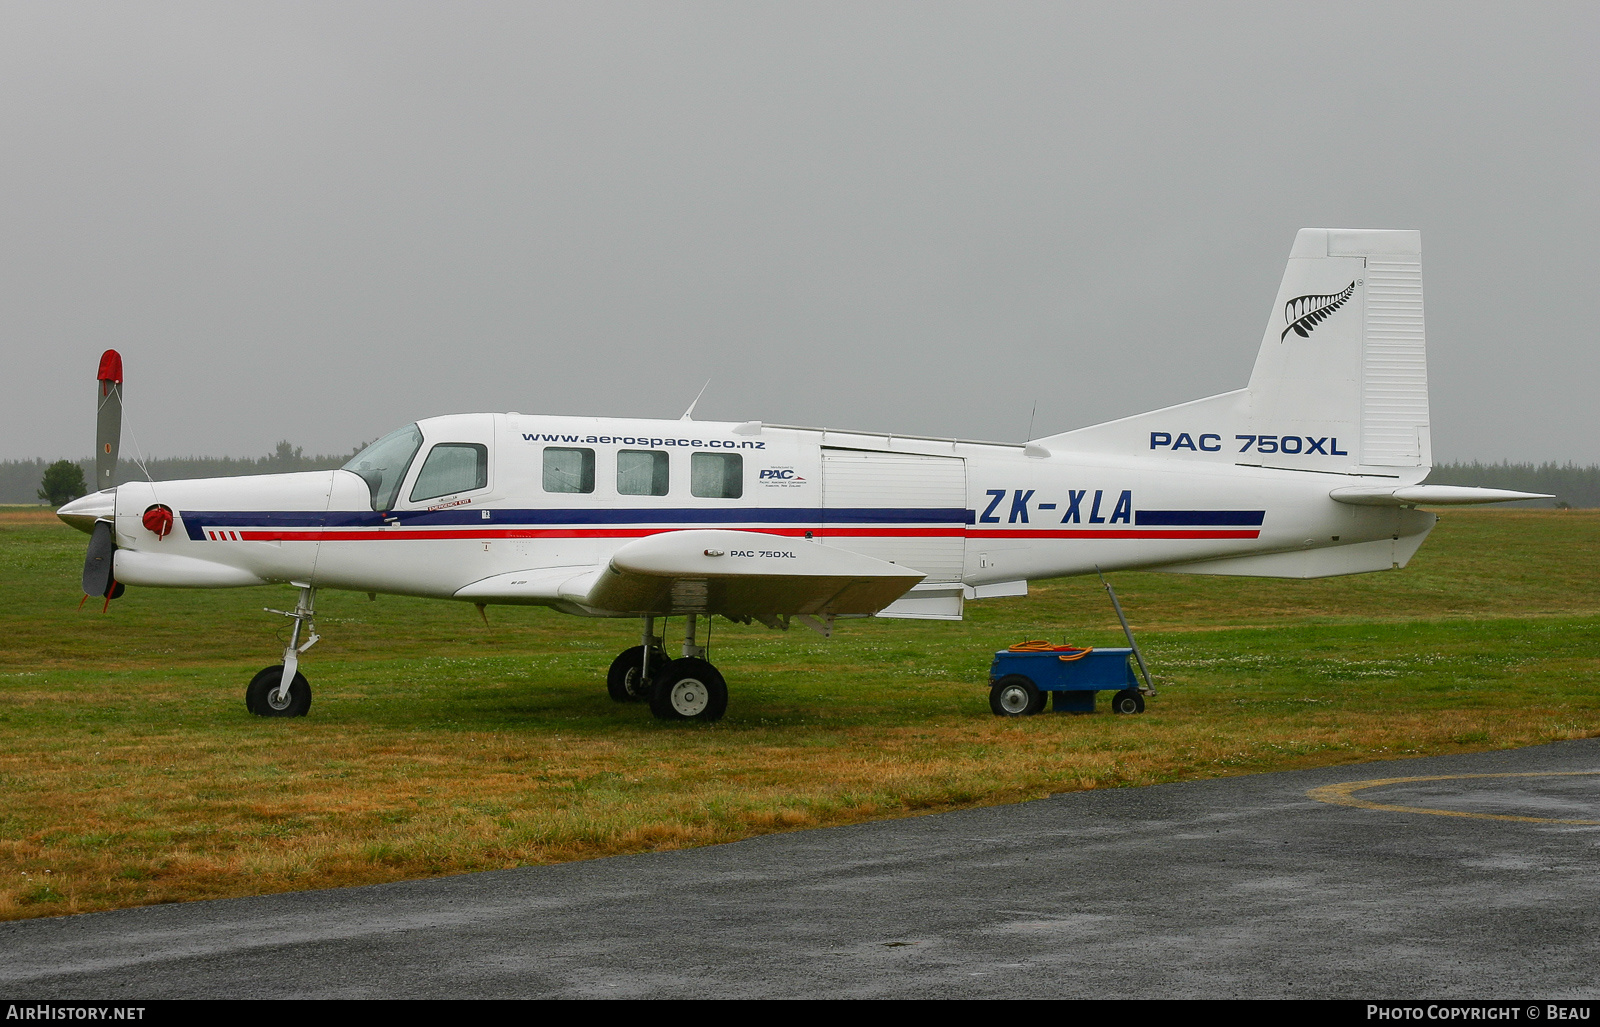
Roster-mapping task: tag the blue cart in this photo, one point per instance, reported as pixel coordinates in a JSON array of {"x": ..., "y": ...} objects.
[{"x": 1020, "y": 682}]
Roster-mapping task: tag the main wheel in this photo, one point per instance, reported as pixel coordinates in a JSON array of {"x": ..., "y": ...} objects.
[
  {"x": 1129, "y": 700},
  {"x": 1015, "y": 696},
  {"x": 261, "y": 697},
  {"x": 624, "y": 682},
  {"x": 689, "y": 689}
]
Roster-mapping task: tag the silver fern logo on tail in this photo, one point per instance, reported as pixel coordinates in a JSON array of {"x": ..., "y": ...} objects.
[{"x": 1304, "y": 313}]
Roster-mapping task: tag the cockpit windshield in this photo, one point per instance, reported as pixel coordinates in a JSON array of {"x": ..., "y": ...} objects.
[{"x": 383, "y": 464}]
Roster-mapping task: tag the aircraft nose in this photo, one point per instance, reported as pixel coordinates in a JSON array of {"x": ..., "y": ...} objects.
[{"x": 81, "y": 513}]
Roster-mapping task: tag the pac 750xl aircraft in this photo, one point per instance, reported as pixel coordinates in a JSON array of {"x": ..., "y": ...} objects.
[{"x": 1314, "y": 469}]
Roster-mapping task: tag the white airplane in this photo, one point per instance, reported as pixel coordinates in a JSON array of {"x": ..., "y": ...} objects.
[{"x": 1314, "y": 469}]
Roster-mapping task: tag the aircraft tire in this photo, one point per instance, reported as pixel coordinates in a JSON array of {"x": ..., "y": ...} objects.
[
  {"x": 689, "y": 689},
  {"x": 1129, "y": 700},
  {"x": 623, "y": 682},
  {"x": 258, "y": 697},
  {"x": 1015, "y": 696}
]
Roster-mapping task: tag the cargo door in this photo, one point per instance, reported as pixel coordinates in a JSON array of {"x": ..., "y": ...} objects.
[{"x": 905, "y": 508}]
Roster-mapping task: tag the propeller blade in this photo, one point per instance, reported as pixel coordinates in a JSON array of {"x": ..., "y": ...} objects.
[
  {"x": 108, "y": 421},
  {"x": 97, "y": 565}
]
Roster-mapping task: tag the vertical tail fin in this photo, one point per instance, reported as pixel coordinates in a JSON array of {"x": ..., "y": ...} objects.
[
  {"x": 1344, "y": 356},
  {"x": 1340, "y": 382}
]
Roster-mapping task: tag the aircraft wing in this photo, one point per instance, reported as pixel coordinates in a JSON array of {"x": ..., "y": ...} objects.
[{"x": 736, "y": 573}]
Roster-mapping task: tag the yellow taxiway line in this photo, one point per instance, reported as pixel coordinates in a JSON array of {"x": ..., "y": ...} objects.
[{"x": 1344, "y": 795}]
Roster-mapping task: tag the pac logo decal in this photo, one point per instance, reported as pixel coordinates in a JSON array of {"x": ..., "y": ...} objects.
[{"x": 780, "y": 477}]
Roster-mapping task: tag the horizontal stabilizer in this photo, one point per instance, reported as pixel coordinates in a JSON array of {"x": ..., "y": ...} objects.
[
  {"x": 744, "y": 574},
  {"x": 1428, "y": 495}
]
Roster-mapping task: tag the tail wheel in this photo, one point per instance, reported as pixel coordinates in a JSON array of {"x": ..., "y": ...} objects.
[
  {"x": 689, "y": 689},
  {"x": 262, "y": 698},
  {"x": 625, "y": 681}
]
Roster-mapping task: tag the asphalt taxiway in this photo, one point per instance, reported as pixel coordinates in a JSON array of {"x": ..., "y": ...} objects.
[{"x": 1436, "y": 881}]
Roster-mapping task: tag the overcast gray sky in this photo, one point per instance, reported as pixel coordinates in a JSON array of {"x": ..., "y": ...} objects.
[{"x": 319, "y": 221}]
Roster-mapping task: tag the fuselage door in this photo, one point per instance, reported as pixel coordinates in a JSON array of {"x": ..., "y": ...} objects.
[{"x": 905, "y": 508}]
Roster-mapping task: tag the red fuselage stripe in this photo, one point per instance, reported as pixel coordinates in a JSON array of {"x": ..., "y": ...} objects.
[
  {"x": 1119, "y": 533},
  {"x": 484, "y": 534}
]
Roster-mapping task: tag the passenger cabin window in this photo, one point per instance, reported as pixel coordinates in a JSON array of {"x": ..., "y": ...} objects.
[
  {"x": 452, "y": 467},
  {"x": 568, "y": 470},
  {"x": 641, "y": 472},
  {"x": 383, "y": 464},
  {"x": 716, "y": 475}
]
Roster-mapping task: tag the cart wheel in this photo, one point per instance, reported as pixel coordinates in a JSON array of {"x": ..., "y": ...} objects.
[
  {"x": 1127, "y": 701},
  {"x": 1015, "y": 696}
]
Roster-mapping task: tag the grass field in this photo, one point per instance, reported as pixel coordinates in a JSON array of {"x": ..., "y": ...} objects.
[{"x": 130, "y": 772}]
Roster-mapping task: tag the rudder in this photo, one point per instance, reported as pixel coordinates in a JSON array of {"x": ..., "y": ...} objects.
[{"x": 1344, "y": 355}]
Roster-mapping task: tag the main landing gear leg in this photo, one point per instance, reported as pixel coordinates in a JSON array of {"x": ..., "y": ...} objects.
[
  {"x": 628, "y": 680},
  {"x": 689, "y": 688},
  {"x": 282, "y": 691}
]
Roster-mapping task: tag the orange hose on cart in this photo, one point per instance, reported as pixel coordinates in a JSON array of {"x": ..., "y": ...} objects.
[{"x": 1040, "y": 645}]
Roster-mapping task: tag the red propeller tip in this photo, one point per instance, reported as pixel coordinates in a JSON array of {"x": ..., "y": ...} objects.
[{"x": 110, "y": 367}]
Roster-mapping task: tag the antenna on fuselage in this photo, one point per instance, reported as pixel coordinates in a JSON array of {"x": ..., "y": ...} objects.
[{"x": 688, "y": 414}]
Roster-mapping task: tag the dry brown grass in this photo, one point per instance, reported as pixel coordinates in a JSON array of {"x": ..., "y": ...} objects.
[
  {"x": 157, "y": 819},
  {"x": 28, "y": 516}
]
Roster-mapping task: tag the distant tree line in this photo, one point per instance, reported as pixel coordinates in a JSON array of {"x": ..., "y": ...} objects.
[
  {"x": 1573, "y": 486},
  {"x": 21, "y": 480}
]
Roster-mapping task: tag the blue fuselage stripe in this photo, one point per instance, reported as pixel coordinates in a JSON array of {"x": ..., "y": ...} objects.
[
  {"x": 1200, "y": 517},
  {"x": 196, "y": 521}
]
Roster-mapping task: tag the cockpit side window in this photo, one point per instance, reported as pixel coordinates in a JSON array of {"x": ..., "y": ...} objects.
[
  {"x": 383, "y": 464},
  {"x": 452, "y": 467}
]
